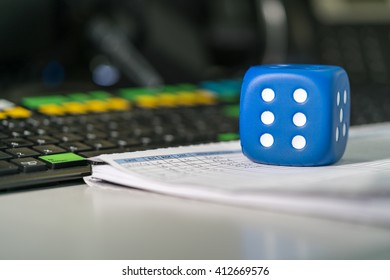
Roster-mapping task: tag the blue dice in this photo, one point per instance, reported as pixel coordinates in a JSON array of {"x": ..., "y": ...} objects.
[{"x": 296, "y": 115}]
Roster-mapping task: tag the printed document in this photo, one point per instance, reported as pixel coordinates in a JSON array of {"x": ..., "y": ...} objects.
[{"x": 357, "y": 188}]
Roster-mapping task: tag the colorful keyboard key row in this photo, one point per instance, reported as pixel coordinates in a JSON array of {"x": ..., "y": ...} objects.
[
  {"x": 208, "y": 93},
  {"x": 90, "y": 106}
]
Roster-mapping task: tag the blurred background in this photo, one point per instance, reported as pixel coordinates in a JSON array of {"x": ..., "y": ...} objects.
[{"x": 59, "y": 45}]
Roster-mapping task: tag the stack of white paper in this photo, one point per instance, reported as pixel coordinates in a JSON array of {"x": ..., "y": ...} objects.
[{"x": 357, "y": 188}]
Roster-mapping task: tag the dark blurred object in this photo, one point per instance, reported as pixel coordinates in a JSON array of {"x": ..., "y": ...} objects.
[
  {"x": 41, "y": 44},
  {"x": 27, "y": 32},
  {"x": 55, "y": 45},
  {"x": 51, "y": 44},
  {"x": 114, "y": 43},
  {"x": 26, "y": 28}
]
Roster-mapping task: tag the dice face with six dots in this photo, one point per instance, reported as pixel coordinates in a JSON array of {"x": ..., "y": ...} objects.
[{"x": 295, "y": 115}]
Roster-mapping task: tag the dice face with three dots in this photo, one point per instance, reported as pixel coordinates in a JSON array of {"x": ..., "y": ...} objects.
[{"x": 296, "y": 115}]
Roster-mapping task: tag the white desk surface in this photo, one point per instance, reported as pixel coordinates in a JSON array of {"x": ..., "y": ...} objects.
[{"x": 80, "y": 222}]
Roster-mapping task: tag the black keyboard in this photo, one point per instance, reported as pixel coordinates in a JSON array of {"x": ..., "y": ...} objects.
[{"x": 47, "y": 139}]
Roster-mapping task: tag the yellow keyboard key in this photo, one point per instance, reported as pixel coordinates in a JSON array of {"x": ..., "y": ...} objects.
[
  {"x": 118, "y": 104},
  {"x": 185, "y": 98},
  {"x": 167, "y": 100},
  {"x": 147, "y": 101},
  {"x": 51, "y": 110},
  {"x": 3, "y": 115},
  {"x": 18, "y": 112},
  {"x": 75, "y": 108},
  {"x": 205, "y": 97},
  {"x": 97, "y": 106}
]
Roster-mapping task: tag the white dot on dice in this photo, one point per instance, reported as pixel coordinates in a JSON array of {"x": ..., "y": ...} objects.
[
  {"x": 298, "y": 142},
  {"x": 338, "y": 98},
  {"x": 267, "y": 117},
  {"x": 337, "y": 134},
  {"x": 300, "y": 95},
  {"x": 299, "y": 119},
  {"x": 341, "y": 115},
  {"x": 345, "y": 97},
  {"x": 344, "y": 129},
  {"x": 267, "y": 140},
  {"x": 268, "y": 94}
]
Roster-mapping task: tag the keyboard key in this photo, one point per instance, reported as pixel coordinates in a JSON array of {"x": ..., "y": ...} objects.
[
  {"x": 100, "y": 144},
  {"x": 128, "y": 142},
  {"x": 7, "y": 168},
  {"x": 29, "y": 164},
  {"x": 37, "y": 101},
  {"x": 43, "y": 139},
  {"x": 146, "y": 141},
  {"x": 4, "y": 155},
  {"x": 96, "y": 106},
  {"x": 17, "y": 142},
  {"x": 144, "y": 131},
  {"x": 63, "y": 160},
  {"x": 5, "y": 104},
  {"x": 76, "y": 108},
  {"x": 3, "y": 135},
  {"x": 16, "y": 134},
  {"x": 232, "y": 111},
  {"x": 99, "y": 95},
  {"x": 68, "y": 137},
  {"x": 118, "y": 104},
  {"x": 49, "y": 149},
  {"x": 75, "y": 147},
  {"x": 18, "y": 112},
  {"x": 116, "y": 134},
  {"x": 27, "y": 132},
  {"x": 22, "y": 152},
  {"x": 95, "y": 135},
  {"x": 70, "y": 128},
  {"x": 228, "y": 136},
  {"x": 41, "y": 131},
  {"x": 51, "y": 110}
]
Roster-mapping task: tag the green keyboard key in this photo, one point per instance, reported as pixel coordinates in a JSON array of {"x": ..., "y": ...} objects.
[
  {"x": 232, "y": 111},
  {"x": 79, "y": 97},
  {"x": 35, "y": 102},
  {"x": 132, "y": 93},
  {"x": 178, "y": 88},
  {"x": 228, "y": 136},
  {"x": 64, "y": 160},
  {"x": 99, "y": 95},
  {"x": 93, "y": 95}
]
